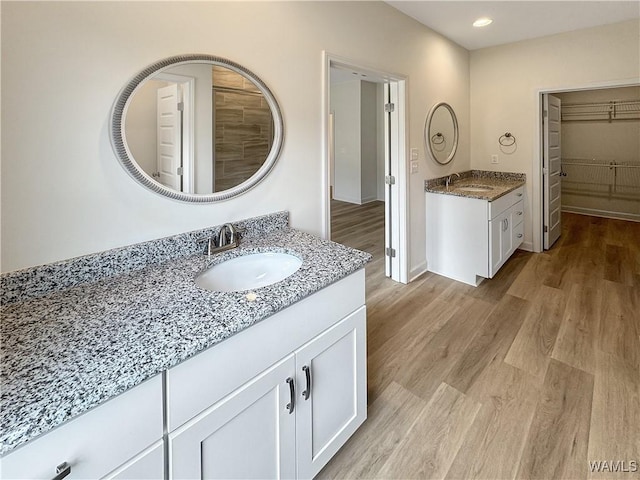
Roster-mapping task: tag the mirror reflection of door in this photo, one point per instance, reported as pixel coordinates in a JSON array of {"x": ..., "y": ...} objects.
[
  {"x": 169, "y": 137},
  {"x": 199, "y": 128}
]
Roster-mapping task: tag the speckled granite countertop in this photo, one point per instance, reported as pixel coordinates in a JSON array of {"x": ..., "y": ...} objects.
[
  {"x": 70, "y": 350},
  {"x": 500, "y": 183}
]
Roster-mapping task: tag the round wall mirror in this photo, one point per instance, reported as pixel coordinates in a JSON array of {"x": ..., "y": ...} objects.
[
  {"x": 197, "y": 128},
  {"x": 441, "y": 133}
]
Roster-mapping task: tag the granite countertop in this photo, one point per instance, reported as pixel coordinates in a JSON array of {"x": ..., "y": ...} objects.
[
  {"x": 67, "y": 351},
  {"x": 500, "y": 183}
]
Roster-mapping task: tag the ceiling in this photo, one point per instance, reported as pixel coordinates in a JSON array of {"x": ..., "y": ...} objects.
[{"x": 514, "y": 20}]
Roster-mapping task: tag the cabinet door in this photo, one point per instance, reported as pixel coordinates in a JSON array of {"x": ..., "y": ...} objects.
[
  {"x": 332, "y": 399},
  {"x": 497, "y": 228},
  {"x": 506, "y": 239},
  {"x": 248, "y": 434}
]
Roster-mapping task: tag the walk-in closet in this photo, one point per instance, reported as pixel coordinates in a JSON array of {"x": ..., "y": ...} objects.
[{"x": 600, "y": 149}]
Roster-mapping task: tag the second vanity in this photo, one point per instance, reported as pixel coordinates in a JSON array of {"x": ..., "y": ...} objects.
[
  {"x": 474, "y": 223},
  {"x": 144, "y": 375}
]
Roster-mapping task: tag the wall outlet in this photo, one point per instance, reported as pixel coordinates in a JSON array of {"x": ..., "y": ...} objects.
[
  {"x": 414, "y": 167},
  {"x": 414, "y": 154},
  {"x": 494, "y": 158}
]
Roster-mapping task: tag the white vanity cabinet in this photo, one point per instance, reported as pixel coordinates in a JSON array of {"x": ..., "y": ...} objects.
[
  {"x": 121, "y": 438},
  {"x": 470, "y": 239},
  {"x": 229, "y": 417}
]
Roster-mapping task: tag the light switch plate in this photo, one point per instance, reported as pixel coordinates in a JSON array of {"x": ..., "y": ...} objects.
[
  {"x": 414, "y": 167},
  {"x": 494, "y": 158},
  {"x": 414, "y": 154}
]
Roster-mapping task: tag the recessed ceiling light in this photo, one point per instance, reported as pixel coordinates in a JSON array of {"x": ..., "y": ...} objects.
[{"x": 482, "y": 22}]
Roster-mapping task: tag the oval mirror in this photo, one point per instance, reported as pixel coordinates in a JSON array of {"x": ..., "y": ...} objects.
[
  {"x": 441, "y": 133},
  {"x": 197, "y": 128}
]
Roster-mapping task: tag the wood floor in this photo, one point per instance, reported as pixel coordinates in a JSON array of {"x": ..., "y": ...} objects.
[{"x": 535, "y": 374}]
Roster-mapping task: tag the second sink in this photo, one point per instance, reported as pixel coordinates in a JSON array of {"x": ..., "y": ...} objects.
[{"x": 248, "y": 272}]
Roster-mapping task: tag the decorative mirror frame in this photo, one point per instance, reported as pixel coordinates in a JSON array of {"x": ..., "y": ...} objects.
[
  {"x": 427, "y": 139},
  {"x": 131, "y": 166}
]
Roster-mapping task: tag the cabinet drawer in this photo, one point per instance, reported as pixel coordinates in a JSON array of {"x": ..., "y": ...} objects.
[
  {"x": 499, "y": 205},
  {"x": 203, "y": 380},
  {"x": 517, "y": 214},
  {"x": 518, "y": 236},
  {"x": 96, "y": 442}
]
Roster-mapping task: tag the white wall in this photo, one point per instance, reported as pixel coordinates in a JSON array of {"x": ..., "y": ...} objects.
[
  {"x": 64, "y": 193},
  {"x": 355, "y": 108},
  {"x": 380, "y": 140},
  {"x": 506, "y": 81},
  {"x": 345, "y": 105},
  {"x": 369, "y": 142}
]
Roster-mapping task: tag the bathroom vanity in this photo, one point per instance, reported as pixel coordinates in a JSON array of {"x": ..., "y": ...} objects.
[
  {"x": 141, "y": 374},
  {"x": 474, "y": 223}
]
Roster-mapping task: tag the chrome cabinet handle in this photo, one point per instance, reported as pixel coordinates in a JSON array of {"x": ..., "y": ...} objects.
[
  {"x": 519, "y": 213},
  {"x": 292, "y": 392},
  {"x": 307, "y": 392},
  {"x": 518, "y": 194},
  {"x": 519, "y": 235},
  {"x": 62, "y": 471}
]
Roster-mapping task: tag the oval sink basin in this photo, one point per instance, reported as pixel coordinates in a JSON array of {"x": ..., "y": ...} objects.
[
  {"x": 475, "y": 188},
  {"x": 248, "y": 272}
]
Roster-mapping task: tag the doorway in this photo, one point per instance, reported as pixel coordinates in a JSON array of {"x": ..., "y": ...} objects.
[
  {"x": 364, "y": 186},
  {"x": 589, "y": 162}
]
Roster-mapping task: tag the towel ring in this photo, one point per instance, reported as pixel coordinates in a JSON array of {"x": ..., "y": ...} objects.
[
  {"x": 507, "y": 140},
  {"x": 437, "y": 136}
]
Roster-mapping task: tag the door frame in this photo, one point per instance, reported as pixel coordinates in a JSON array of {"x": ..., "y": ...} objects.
[
  {"x": 398, "y": 223},
  {"x": 537, "y": 201}
]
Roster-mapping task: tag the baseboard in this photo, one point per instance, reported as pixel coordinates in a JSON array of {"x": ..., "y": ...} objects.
[
  {"x": 602, "y": 213},
  {"x": 417, "y": 271},
  {"x": 355, "y": 201},
  {"x": 369, "y": 199},
  {"x": 526, "y": 246}
]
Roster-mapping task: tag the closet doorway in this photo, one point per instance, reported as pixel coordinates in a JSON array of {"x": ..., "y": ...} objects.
[
  {"x": 365, "y": 180},
  {"x": 590, "y": 156}
]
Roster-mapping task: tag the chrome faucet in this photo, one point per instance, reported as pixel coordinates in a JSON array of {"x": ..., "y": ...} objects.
[
  {"x": 227, "y": 238},
  {"x": 228, "y": 228},
  {"x": 449, "y": 180}
]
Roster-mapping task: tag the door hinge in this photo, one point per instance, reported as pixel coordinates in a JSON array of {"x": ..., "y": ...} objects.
[
  {"x": 390, "y": 180},
  {"x": 389, "y": 107},
  {"x": 545, "y": 113},
  {"x": 181, "y": 106},
  {"x": 179, "y": 171},
  {"x": 545, "y": 170},
  {"x": 390, "y": 252},
  {"x": 546, "y": 229}
]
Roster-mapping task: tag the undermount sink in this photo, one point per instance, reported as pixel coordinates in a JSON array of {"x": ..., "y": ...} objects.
[
  {"x": 474, "y": 188},
  {"x": 248, "y": 272}
]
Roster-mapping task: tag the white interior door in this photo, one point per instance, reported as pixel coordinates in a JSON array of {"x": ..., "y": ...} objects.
[
  {"x": 551, "y": 166},
  {"x": 392, "y": 175},
  {"x": 169, "y": 136}
]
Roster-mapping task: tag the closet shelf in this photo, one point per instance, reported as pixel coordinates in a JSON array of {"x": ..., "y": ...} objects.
[{"x": 613, "y": 110}]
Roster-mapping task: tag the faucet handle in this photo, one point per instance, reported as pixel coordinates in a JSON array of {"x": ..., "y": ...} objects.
[{"x": 207, "y": 241}]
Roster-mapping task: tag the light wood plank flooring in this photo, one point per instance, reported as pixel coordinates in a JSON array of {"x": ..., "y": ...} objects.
[{"x": 534, "y": 374}]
